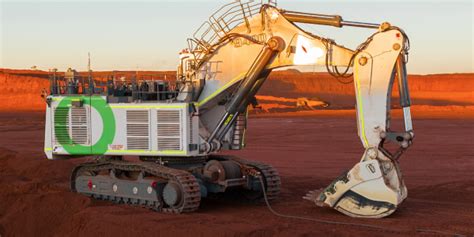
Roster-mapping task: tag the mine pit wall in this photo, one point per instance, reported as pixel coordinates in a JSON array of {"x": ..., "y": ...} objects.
[
  {"x": 439, "y": 90},
  {"x": 21, "y": 92},
  {"x": 21, "y": 88}
]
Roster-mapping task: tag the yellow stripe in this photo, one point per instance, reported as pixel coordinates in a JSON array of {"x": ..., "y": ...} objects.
[
  {"x": 227, "y": 121},
  {"x": 147, "y": 106},
  {"x": 238, "y": 77},
  {"x": 48, "y": 149},
  {"x": 171, "y": 152},
  {"x": 360, "y": 107}
]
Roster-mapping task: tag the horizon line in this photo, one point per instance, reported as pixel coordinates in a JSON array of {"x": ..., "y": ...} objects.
[{"x": 145, "y": 70}]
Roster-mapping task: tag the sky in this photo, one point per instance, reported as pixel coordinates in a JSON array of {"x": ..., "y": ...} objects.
[{"x": 147, "y": 35}]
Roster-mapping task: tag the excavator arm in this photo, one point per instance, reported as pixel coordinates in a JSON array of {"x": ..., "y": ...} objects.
[
  {"x": 374, "y": 187},
  {"x": 226, "y": 66}
]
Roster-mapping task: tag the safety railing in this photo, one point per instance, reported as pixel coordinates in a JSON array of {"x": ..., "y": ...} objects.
[
  {"x": 222, "y": 22},
  {"x": 140, "y": 88}
]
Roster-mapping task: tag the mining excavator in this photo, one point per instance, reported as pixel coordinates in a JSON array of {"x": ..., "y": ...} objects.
[{"x": 176, "y": 132}]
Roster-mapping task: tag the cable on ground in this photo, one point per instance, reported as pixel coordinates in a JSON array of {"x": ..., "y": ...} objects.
[{"x": 330, "y": 222}]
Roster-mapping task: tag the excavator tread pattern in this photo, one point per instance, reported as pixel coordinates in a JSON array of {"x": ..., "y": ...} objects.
[
  {"x": 188, "y": 183},
  {"x": 271, "y": 177}
]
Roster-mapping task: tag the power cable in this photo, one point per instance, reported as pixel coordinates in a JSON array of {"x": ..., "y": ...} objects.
[{"x": 330, "y": 222}]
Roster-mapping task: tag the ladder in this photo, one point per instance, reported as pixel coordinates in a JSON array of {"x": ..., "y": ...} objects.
[{"x": 238, "y": 136}]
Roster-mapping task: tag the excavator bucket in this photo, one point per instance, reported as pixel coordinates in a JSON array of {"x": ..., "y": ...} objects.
[{"x": 371, "y": 189}]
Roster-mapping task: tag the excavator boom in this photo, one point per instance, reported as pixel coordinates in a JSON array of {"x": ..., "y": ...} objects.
[{"x": 237, "y": 64}]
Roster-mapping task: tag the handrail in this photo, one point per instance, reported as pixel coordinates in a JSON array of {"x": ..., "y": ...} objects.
[{"x": 221, "y": 22}]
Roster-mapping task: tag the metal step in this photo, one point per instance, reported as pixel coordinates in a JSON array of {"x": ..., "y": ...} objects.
[{"x": 239, "y": 132}]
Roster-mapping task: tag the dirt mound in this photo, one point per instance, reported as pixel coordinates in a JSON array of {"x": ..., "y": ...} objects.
[{"x": 275, "y": 104}]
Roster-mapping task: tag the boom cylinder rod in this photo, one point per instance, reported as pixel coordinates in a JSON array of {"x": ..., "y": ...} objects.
[
  {"x": 244, "y": 104},
  {"x": 271, "y": 48},
  {"x": 402, "y": 82},
  {"x": 403, "y": 91},
  {"x": 360, "y": 24},
  {"x": 254, "y": 90},
  {"x": 218, "y": 127},
  {"x": 330, "y": 20}
]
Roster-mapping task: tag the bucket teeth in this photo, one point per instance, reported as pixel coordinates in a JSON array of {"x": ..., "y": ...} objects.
[{"x": 314, "y": 196}]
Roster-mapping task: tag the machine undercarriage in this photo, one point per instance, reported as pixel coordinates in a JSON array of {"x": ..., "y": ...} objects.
[
  {"x": 178, "y": 129},
  {"x": 173, "y": 187}
]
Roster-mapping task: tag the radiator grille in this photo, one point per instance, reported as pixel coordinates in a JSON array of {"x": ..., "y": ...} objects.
[
  {"x": 74, "y": 130},
  {"x": 138, "y": 130},
  {"x": 61, "y": 131},
  {"x": 169, "y": 130},
  {"x": 79, "y": 128}
]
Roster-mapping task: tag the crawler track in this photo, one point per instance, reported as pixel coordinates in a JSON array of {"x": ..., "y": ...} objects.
[
  {"x": 189, "y": 185},
  {"x": 270, "y": 176}
]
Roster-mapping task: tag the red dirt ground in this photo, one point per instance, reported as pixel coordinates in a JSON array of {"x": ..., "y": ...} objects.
[
  {"x": 308, "y": 151},
  {"x": 309, "y": 148}
]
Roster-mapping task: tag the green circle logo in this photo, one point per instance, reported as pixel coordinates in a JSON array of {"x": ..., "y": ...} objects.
[{"x": 61, "y": 128}]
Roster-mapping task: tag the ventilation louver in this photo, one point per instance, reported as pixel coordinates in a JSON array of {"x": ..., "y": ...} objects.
[
  {"x": 138, "y": 130},
  {"x": 79, "y": 125},
  {"x": 75, "y": 130},
  {"x": 169, "y": 130}
]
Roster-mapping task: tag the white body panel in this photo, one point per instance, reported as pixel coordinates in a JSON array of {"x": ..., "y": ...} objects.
[{"x": 138, "y": 130}]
